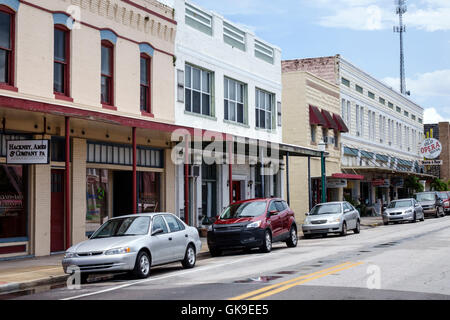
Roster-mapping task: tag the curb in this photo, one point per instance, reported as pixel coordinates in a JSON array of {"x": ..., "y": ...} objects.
[{"x": 16, "y": 286}]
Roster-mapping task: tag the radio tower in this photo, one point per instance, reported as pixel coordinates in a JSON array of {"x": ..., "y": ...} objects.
[{"x": 401, "y": 9}]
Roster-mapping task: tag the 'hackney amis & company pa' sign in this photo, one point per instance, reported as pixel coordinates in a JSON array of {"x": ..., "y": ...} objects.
[{"x": 27, "y": 152}]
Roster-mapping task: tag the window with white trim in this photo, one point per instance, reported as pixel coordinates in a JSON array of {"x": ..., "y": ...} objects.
[
  {"x": 198, "y": 83},
  {"x": 234, "y": 100},
  {"x": 233, "y": 36},
  {"x": 264, "y": 52},
  {"x": 198, "y": 19},
  {"x": 264, "y": 109}
]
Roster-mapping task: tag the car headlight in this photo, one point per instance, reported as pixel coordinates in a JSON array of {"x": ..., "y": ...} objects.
[
  {"x": 255, "y": 224},
  {"x": 210, "y": 227},
  {"x": 70, "y": 255},
  {"x": 118, "y": 251},
  {"x": 409, "y": 211},
  {"x": 307, "y": 221},
  {"x": 333, "y": 220}
]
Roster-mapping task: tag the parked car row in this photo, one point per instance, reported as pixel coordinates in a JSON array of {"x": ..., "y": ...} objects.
[{"x": 135, "y": 243}]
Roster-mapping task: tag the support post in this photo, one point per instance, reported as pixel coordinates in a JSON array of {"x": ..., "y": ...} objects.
[
  {"x": 324, "y": 178},
  {"x": 287, "y": 179},
  {"x": 186, "y": 181},
  {"x": 134, "y": 173},
  {"x": 309, "y": 184},
  {"x": 67, "y": 186},
  {"x": 230, "y": 170}
]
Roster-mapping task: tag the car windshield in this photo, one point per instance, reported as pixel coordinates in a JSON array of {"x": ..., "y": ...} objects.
[
  {"x": 326, "y": 209},
  {"x": 245, "y": 209},
  {"x": 121, "y": 227},
  {"x": 400, "y": 204},
  {"x": 425, "y": 197},
  {"x": 443, "y": 195}
]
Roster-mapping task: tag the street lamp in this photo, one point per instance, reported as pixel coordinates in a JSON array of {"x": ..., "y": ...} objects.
[{"x": 322, "y": 146}]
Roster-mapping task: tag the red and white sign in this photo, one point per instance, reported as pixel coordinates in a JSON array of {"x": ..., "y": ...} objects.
[{"x": 430, "y": 148}]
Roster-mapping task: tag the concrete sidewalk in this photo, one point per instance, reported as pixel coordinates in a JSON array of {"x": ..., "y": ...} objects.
[
  {"x": 21, "y": 274},
  {"x": 371, "y": 221}
]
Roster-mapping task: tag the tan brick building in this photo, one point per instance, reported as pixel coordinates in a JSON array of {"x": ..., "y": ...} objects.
[
  {"x": 99, "y": 75},
  {"x": 306, "y": 100}
]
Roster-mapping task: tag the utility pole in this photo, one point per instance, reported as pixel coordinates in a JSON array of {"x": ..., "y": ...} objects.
[{"x": 400, "y": 10}]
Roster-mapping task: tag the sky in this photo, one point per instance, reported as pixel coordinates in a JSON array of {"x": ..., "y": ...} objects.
[{"x": 362, "y": 32}]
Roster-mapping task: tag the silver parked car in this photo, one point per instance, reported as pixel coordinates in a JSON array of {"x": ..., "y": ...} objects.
[
  {"x": 431, "y": 203},
  {"x": 403, "y": 210},
  {"x": 331, "y": 217},
  {"x": 135, "y": 243}
]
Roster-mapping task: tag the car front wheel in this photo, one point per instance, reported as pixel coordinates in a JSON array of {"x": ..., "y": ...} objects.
[
  {"x": 344, "y": 229},
  {"x": 189, "y": 258},
  {"x": 267, "y": 242},
  {"x": 142, "y": 266},
  {"x": 358, "y": 227}
]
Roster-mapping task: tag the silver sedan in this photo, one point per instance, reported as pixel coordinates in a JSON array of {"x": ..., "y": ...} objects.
[
  {"x": 403, "y": 210},
  {"x": 135, "y": 243},
  {"x": 331, "y": 217}
]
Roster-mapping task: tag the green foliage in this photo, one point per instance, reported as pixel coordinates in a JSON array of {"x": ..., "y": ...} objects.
[
  {"x": 439, "y": 185},
  {"x": 413, "y": 185}
]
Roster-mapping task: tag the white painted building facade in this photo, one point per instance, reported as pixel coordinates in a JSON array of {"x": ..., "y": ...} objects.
[
  {"x": 228, "y": 81},
  {"x": 385, "y": 131}
]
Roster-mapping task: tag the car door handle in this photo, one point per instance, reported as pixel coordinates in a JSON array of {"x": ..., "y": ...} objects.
[
  {"x": 186, "y": 235},
  {"x": 170, "y": 239}
]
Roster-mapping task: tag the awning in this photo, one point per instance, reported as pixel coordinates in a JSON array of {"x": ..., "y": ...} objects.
[
  {"x": 315, "y": 117},
  {"x": 340, "y": 123},
  {"x": 331, "y": 124},
  {"x": 347, "y": 176}
]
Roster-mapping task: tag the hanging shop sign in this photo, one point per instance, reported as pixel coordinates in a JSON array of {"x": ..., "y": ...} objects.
[
  {"x": 431, "y": 162},
  {"x": 430, "y": 148},
  {"x": 27, "y": 152},
  {"x": 382, "y": 183},
  {"x": 336, "y": 183}
]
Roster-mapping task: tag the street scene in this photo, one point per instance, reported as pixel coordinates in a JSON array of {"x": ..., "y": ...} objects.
[{"x": 173, "y": 150}]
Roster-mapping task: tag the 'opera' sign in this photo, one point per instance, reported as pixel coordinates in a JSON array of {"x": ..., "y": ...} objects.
[{"x": 430, "y": 148}]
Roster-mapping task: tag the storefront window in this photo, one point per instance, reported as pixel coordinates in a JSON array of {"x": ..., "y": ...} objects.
[
  {"x": 149, "y": 186},
  {"x": 209, "y": 190},
  {"x": 97, "y": 199},
  {"x": 13, "y": 212}
]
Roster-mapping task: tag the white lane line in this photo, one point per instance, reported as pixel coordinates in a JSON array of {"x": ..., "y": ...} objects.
[{"x": 175, "y": 274}]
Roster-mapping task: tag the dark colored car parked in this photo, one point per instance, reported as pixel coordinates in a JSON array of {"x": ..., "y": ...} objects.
[
  {"x": 255, "y": 223},
  {"x": 445, "y": 197}
]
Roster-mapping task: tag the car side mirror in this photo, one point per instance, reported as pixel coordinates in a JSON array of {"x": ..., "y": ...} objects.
[
  {"x": 347, "y": 210},
  {"x": 157, "y": 231},
  {"x": 273, "y": 212},
  {"x": 307, "y": 214}
]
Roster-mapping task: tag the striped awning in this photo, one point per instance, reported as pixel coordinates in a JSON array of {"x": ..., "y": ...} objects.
[
  {"x": 315, "y": 117},
  {"x": 331, "y": 124},
  {"x": 340, "y": 123}
]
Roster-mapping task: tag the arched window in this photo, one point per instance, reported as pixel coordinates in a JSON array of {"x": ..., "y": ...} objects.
[
  {"x": 145, "y": 100},
  {"x": 7, "y": 45}
]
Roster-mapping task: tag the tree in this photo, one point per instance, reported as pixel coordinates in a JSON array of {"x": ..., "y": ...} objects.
[
  {"x": 438, "y": 185},
  {"x": 413, "y": 185}
]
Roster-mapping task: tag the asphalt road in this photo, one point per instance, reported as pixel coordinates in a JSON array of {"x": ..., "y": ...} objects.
[{"x": 402, "y": 261}]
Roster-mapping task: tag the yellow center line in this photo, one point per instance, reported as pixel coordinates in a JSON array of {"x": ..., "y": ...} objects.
[
  {"x": 255, "y": 292},
  {"x": 288, "y": 286}
]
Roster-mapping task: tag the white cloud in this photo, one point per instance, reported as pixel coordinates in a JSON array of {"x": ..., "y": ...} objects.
[
  {"x": 428, "y": 15},
  {"x": 432, "y": 116}
]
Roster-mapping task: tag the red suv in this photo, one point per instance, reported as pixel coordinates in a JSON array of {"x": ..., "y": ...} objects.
[
  {"x": 255, "y": 223},
  {"x": 445, "y": 197}
]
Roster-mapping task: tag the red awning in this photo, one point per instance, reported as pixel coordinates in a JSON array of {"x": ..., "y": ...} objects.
[
  {"x": 315, "y": 117},
  {"x": 331, "y": 124},
  {"x": 341, "y": 124},
  {"x": 347, "y": 176}
]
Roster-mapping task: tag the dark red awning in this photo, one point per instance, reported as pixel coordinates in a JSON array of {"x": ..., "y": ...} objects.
[
  {"x": 331, "y": 124},
  {"x": 341, "y": 124},
  {"x": 315, "y": 117},
  {"x": 347, "y": 176}
]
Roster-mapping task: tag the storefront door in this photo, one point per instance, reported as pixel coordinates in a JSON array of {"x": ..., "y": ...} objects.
[
  {"x": 236, "y": 191},
  {"x": 122, "y": 193},
  {"x": 57, "y": 211}
]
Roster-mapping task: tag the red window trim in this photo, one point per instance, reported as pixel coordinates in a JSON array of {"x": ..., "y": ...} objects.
[
  {"x": 109, "y": 105},
  {"x": 11, "y": 68},
  {"x": 66, "y": 95},
  {"x": 148, "y": 107}
]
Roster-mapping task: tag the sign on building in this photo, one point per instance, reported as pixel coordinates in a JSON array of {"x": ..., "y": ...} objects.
[
  {"x": 431, "y": 162},
  {"x": 27, "y": 152},
  {"x": 336, "y": 183},
  {"x": 431, "y": 148}
]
